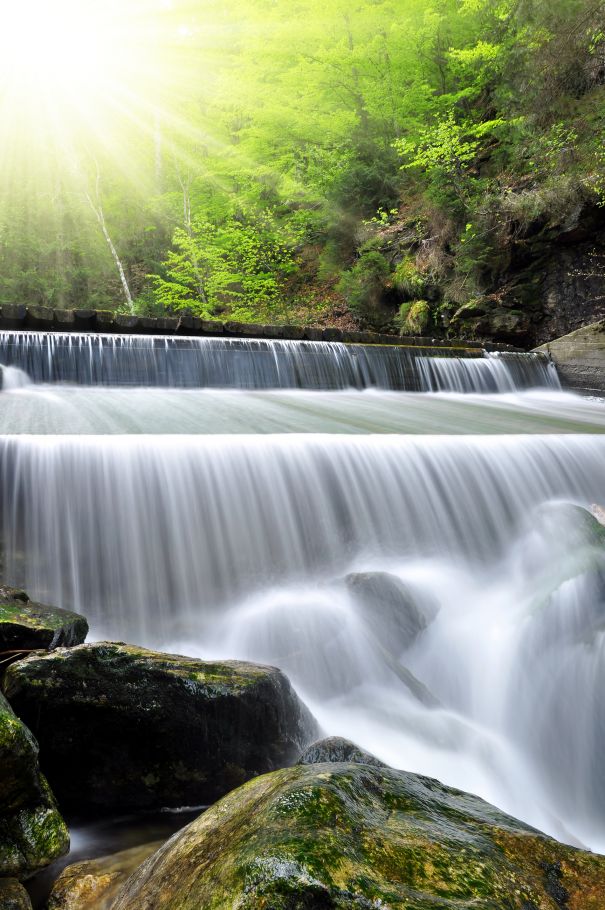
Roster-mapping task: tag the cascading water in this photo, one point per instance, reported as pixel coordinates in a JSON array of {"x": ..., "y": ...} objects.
[
  {"x": 256, "y": 364},
  {"x": 416, "y": 562}
]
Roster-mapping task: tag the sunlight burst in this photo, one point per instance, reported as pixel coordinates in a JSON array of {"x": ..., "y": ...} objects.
[{"x": 64, "y": 50}]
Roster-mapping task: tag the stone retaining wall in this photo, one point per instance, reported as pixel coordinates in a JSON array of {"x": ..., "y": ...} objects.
[
  {"x": 48, "y": 320},
  {"x": 580, "y": 359}
]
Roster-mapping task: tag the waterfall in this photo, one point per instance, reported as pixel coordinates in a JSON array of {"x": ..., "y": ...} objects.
[
  {"x": 239, "y": 546},
  {"x": 183, "y": 362},
  {"x": 496, "y": 373},
  {"x": 307, "y": 504},
  {"x": 13, "y": 378}
]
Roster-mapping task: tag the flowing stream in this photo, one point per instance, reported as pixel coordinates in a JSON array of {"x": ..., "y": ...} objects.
[{"x": 398, "y": 532}]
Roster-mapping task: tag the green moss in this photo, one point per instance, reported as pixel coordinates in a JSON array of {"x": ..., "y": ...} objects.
[
  {"x": 351, "y": 836},
  {"x": 414, "y": 318},
  {"x": 27, "y": 625},
  {"x": 408, "y": 279}
]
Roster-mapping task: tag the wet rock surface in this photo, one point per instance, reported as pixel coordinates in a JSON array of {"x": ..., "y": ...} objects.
[
  {"x": 13, "y": 895},
  {"x": 337, "y": 749},
  {"x": 32, "y": 832},
  {"x": 27, "y": 625},
  {"x": 94, "y": 884},
  {"x": 120, "y": 726},
  {"x": 355, "y": 836}
]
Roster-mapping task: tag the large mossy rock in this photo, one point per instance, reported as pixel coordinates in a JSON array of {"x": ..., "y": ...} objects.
[
  {"x": 32, "y": 833},
  {"x": 25, "y": 625},
  {"x": 95, "y": 883},
  {"x": 487, "y": 318},
  {"x": 13, "y": 895},
  {"x": 353, "y": 837},
  {"x": 120, "y": 726}
]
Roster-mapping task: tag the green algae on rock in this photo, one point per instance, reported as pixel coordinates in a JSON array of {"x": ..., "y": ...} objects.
[
  {"x": 26, "y": 625},
  {"x": 94, "y": 883},
  {"x": 355, "y": 837},
  {"x": 120, "y": 726},
  {"x": 32, "y": 833}
]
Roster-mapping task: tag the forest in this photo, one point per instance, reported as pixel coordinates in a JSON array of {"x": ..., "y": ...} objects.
[{"x": 380, "y": 163}]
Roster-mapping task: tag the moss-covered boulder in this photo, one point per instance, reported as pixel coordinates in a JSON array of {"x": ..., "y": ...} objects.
[
  {"x": 13, "y": 895},
  {"x": 120, "y": 726},
  {"x": 32, "y": 833},
  {"x": 355, "y": 837},
  {"x": 25, "y": 625},
  {"x": 337, "y": 749},
  {"x": 486, "y": 319},
  {"x": 95, "y": 883}
]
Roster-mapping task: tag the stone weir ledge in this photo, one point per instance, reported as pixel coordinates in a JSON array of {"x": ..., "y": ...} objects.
[
  {"x": 580, "y": 359},
  {"x": 43, "y": 319}
]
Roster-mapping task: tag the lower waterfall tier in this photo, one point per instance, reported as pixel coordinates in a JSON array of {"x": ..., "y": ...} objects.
[{"x": 269, "y": 548}]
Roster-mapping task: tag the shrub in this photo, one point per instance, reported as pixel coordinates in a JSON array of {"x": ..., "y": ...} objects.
[
  {"x": 408, "y": 279},
  {"x": 363, "y": 286},
  {"x": 414, "y": 318}
]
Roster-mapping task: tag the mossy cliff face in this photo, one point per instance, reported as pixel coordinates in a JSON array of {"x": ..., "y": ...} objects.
[
  {"x": 336, "y": 836},
  {"x": 121, "y": 726},
  {"x": 25, "y": 625},
  {"x": 32, "y": 833}
]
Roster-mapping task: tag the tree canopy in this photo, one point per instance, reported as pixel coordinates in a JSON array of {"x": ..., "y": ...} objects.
[{"x": 246, "y": 158}]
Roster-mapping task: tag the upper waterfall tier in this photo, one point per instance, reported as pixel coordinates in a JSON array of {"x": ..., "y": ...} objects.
[{"x": 182, "y": 362}]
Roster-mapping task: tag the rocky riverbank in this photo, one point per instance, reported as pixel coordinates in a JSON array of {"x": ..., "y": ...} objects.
[{"x": 294, "y": 822}]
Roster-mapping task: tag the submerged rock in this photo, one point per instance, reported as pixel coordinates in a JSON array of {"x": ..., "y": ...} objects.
[
  {"x": 393, "y": 621},
  {"x": 32, "y": 833},
  {"x": 95, "y": 883},
  {"x": 360, "y": 837},
  {"x": 337, "y": 749},
  {"x": 26, "y": 625},
  {"x": 120, "y": 726},
  {"x": 389, "y": 606},
  {"x": 13, "y": 895}
]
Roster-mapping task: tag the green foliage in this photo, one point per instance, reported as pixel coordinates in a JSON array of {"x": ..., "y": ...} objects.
[
  {"x": 363, "y": 286},
  {"x": 236, "y": 267},
  {"x": 408, "y": 279},
  {"x": 414, "y": 318},
  {"x": 475, "y": 118}
]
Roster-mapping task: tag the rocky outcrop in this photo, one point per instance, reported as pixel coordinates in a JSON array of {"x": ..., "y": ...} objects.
[
  {"x": 120, "y": 726},
  {"x": 13, "y": 895},
  {"x": 550, "y": 284},
  {"x": 580, "y": 359},
  {"x": 336, "y": 749},
  {"x": 496, "y": 318},
  {"x": 25, "y": 625},
  {"x": 32, "y": 833},
  {"x": 95, "y": 883},
  {"x": 355, "y": 837}
]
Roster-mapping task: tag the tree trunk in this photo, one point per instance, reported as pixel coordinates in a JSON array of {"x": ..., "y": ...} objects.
[{"x": 97, "y": 208}]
